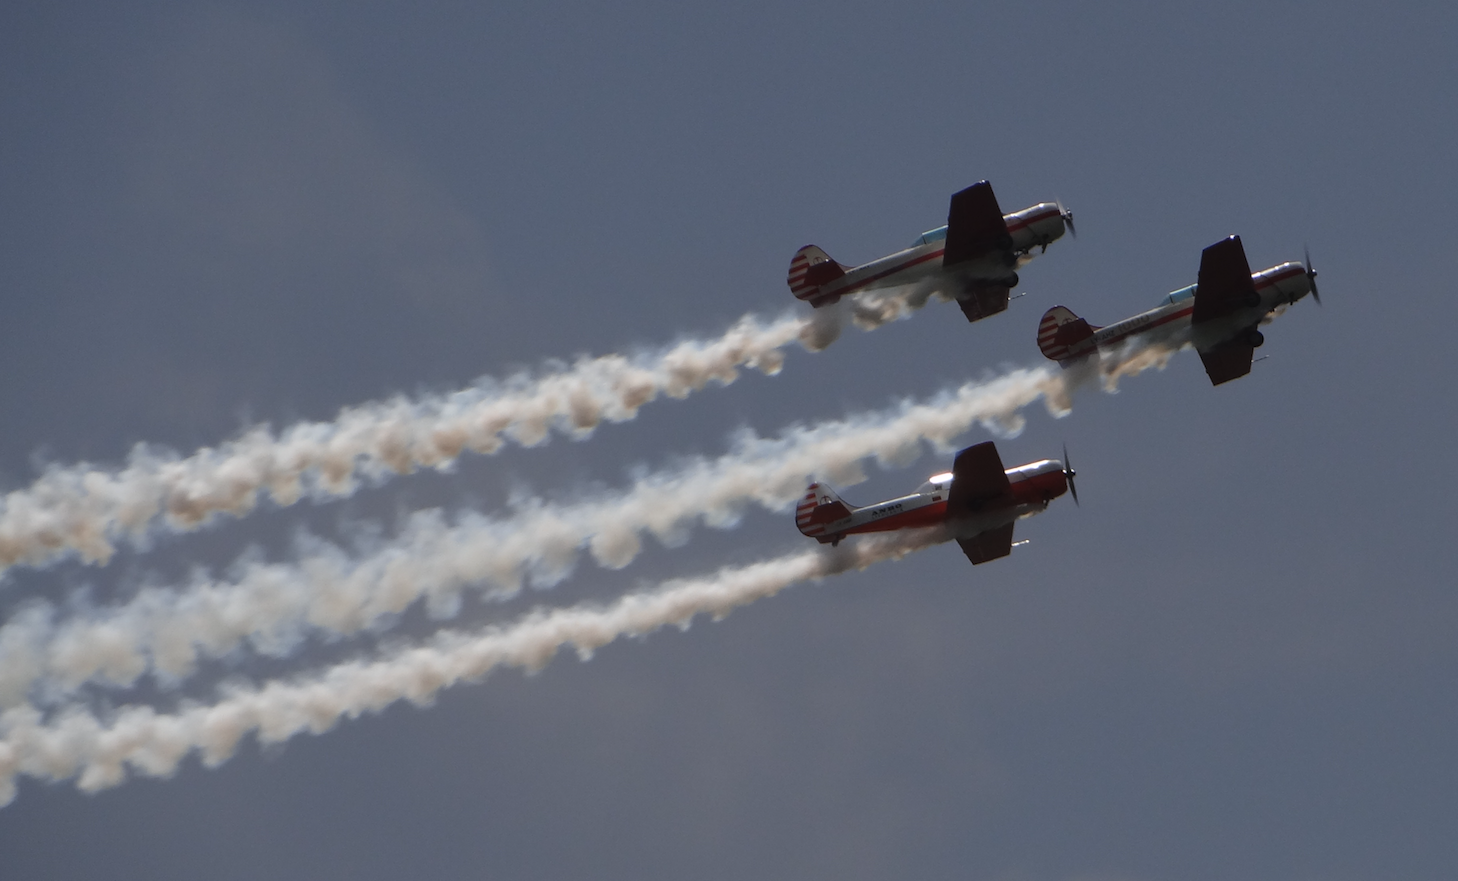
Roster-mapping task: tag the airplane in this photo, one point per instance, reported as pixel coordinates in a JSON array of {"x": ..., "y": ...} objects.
[
  {"x": 973, "y": 259},
  {"x": 1219, "y": 315},
  {"x": 978, "y": 500}
]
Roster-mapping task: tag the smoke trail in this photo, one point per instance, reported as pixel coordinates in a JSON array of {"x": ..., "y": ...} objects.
[
  {"x": 85, "y": 510},
  {"x": 78, "y": 744},
  {"x": 274, "y": 605}
]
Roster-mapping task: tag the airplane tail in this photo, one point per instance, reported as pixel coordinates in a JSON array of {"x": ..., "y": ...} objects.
[
  {"x": 821, "y": 507},
  {"x": 1061, "y": 330},
  {"x": 810, "y": 269}
]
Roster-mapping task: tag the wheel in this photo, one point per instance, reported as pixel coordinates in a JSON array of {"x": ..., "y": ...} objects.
[{"x": 1254, "y": 339}]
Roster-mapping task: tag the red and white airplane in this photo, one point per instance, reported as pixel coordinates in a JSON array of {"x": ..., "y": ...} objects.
[
  {"x": 978, "y": 500},
  {"x": 1219, "y": 315},
  {"x": 973, "y": 259}
]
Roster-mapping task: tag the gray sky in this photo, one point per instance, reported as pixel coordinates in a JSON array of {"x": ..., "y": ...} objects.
[{"x": 1234, "y": 660}]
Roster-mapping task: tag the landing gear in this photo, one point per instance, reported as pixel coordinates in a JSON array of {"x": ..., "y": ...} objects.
[{"x": 1254, "y": 338}]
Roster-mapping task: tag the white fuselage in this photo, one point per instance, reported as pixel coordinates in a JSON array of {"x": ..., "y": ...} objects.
[
  {"x": 1031, "y": 486},
  {"x": 1030, "y": 228},
  {"x": 1170, "y": 323}
]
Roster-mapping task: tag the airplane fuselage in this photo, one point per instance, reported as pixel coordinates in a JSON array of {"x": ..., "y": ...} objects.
[
  {"x": 1032, "y": 485},
  {"x": 1170, "y": 323},
  {"x": 1030, "y": 228}
]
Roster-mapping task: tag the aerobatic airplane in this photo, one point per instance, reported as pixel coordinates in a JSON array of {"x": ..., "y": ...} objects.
[
  {"x": 1220, "y": 315},
  {"x": 978, "y": 500},
  {"x": 973, "y": 259}
]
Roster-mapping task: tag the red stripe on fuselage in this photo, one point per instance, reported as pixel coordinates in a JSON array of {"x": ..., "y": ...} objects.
[
  {"x": 926, "y": 515},
  {"x": 1274, "y": 279},
  {"x": 1013, "y": 227},
  {"x": 1035, "y": 490},
  {"x": 915, "y": 261},
  {"x": 1258, "y": 281},
  {"x": 1146, "y": 328}
]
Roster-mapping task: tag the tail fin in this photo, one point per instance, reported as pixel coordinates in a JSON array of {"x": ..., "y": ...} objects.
[
  {"x": 1060, "y": 331},
  {"x": 819, "y": 510},
  {"x": 810, "y": 269}
]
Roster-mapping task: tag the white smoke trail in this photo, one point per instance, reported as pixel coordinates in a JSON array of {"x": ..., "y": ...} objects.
[
  {"x": 86, "y": 510},
  {"x": 78, "y": 744},
  {"x": 273, "y": 605}
]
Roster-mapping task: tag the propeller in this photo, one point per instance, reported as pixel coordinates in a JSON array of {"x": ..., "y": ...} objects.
[
  {"x": 1069, "y": 474},
  {"x": 1311, "y": 276},
  {"x": 1067, "y": 218}
]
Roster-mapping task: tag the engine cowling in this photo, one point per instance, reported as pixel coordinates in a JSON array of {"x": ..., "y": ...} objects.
[
  {"x": 1289, "y": 280},
  {"x": 1036, "y": 226}
]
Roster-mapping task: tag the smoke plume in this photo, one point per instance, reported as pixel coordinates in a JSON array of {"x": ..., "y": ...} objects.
[
  {"x": 86, "y": 510},
  {"x": 99, "y": 753},
  {"x": 272, "y": 606}
]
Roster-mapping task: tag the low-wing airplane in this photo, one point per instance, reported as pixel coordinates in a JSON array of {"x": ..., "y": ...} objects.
[
  {"x": 1219, "y": 315},
  {"x": 973, "y": 259},
  {"x": 978, "y": 500}
]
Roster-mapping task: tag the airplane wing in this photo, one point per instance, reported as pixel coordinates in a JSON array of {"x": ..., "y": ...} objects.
[
  {"x": 1224, "y": 283},
  {"x": 974, "y": 225},
  {"x": 988, "y": 545},
  {"x": 983, "y": 302},
  {"x": 977, "y": 477},
  {"x": 1227, "y": 362}
]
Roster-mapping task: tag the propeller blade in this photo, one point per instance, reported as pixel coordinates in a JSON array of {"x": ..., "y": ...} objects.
[
  {"x": 1069, "y": 474},
  {"x": 1067, "y": 218},
  {"x": 1311, "y": 275}
]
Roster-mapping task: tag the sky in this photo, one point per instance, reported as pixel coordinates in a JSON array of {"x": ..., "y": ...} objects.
[{"x": 1233, "y": 660}]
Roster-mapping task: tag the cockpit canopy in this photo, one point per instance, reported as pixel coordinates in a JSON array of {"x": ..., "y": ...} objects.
[
  {"x": 1179, "y": 296},
  {"x": 936, "y": 483},
  {"x": 932, "y": 235}
]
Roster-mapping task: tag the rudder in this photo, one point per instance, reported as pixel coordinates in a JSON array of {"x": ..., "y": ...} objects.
[
  {"x": 818, "y": 509},
  {"x": 810, "y": 269},
  {"x": 1061, "y": 330}
]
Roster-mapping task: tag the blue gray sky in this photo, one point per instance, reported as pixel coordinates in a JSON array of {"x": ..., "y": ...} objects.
[{"x": 1235, "y": 660}]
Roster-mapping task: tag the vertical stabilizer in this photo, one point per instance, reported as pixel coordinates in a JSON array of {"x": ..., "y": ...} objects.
[
  {"x": 1060, "y": 331},
  {"x": 811, "y": 269},
  {"x": 819, "y": 510}
]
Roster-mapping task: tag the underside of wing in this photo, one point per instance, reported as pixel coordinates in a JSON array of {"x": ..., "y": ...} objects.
[
  {"x": 982, "y": 302},
  {"x": 974, "y": 225},
  {"x": 1227, "y": 362},
  {"x": 977, "y": 478},
  {"x": 988, "y": 545},
  {"x": 1224, "y": 283}
]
